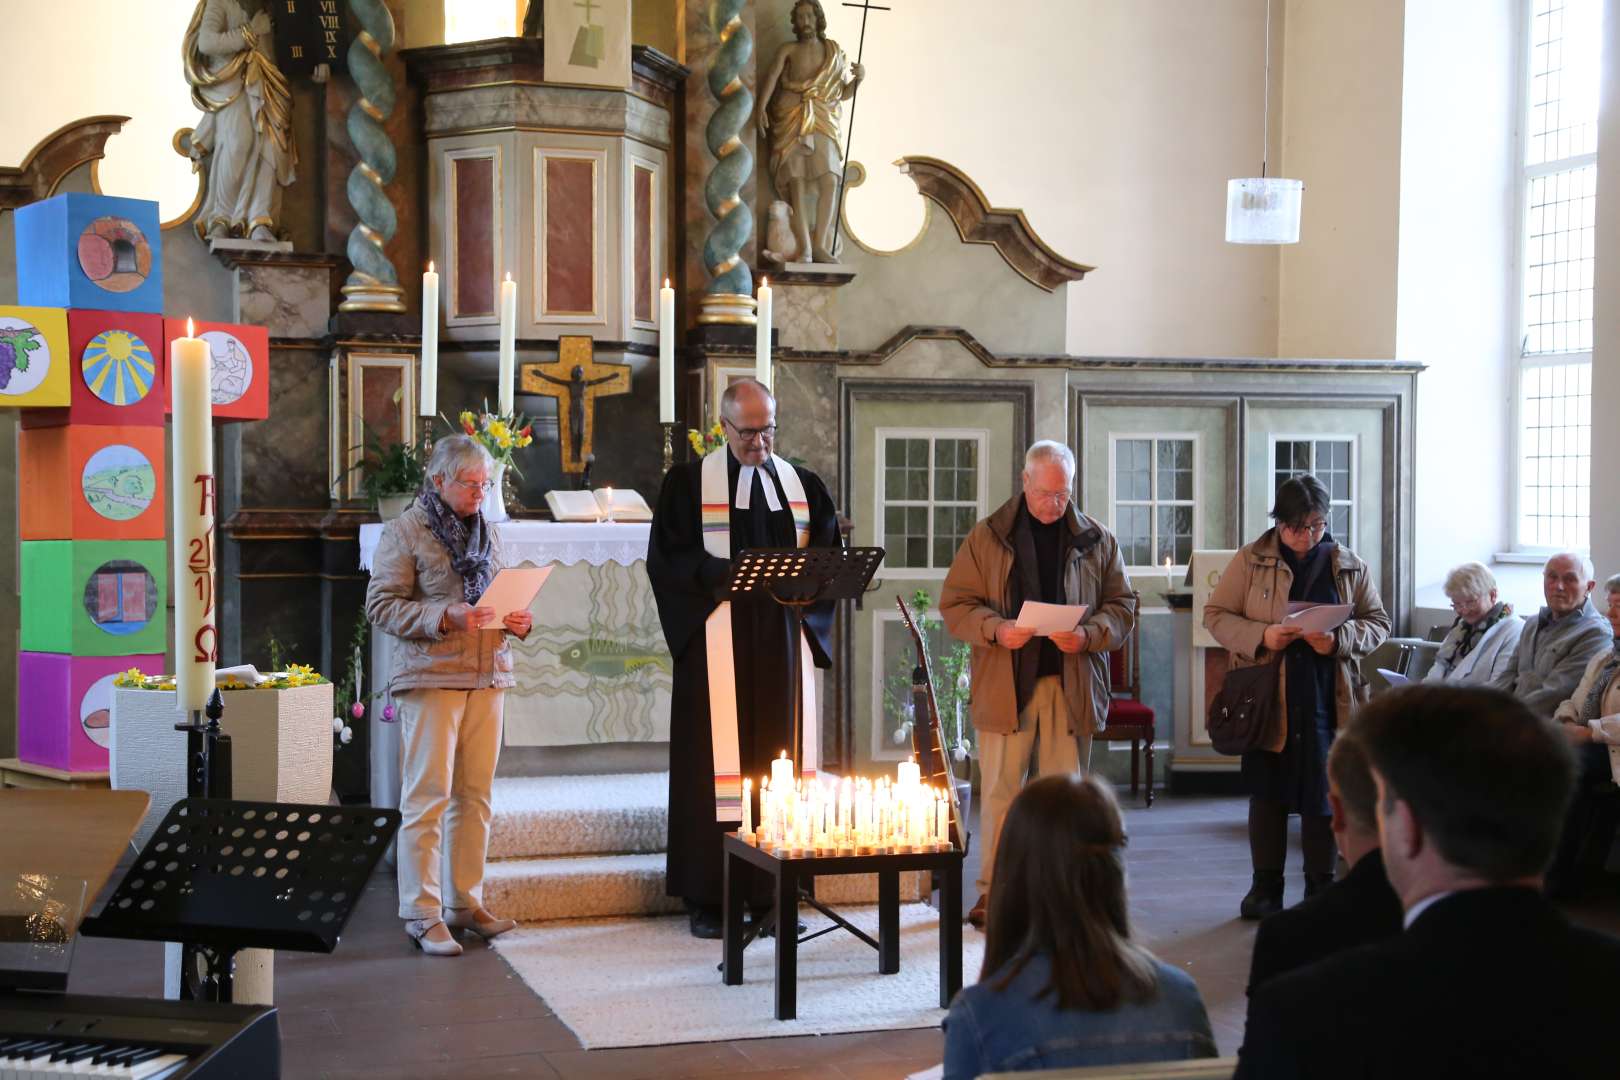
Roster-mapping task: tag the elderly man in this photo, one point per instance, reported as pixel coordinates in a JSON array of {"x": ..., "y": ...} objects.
[
  {"x": 1036, "y": 702},
  {"x": 1557, "y": 644},
  {"x": 709, "y": 511},
  {"x": 1488, "y": 978}
]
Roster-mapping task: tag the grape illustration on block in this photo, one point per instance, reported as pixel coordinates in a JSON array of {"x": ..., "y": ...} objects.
[{"x": 15, "y": 345}]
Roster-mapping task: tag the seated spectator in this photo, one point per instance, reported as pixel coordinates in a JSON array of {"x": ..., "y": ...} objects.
[
  {"x": 1359, "y": 908},
  {"x": 1488, "y": 979},
  {"x": 1555, "y": 646},
  {"x": 1590, "y": 824},
  {"x": 1485, "y": 634},
  {"x": 1063, "y": 984}
]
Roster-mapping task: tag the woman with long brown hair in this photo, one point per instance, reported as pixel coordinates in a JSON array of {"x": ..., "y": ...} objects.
[{"x": 1063, "y": 984}]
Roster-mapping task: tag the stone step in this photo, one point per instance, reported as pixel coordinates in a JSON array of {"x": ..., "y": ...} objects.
[
  {"x": 577, "y": 887},
  {"x": 615, "y": 814}
]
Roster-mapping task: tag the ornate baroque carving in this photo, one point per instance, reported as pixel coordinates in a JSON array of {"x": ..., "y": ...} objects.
[{"x": 56, "y": 155}]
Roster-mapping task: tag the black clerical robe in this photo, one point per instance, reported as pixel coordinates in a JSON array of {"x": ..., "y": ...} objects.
[{"x": 686, "y": 581}]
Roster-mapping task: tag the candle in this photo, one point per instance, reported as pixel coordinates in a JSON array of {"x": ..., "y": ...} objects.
[
  {"x": 429, "y": 397},
  {"x": 1168, "y": 584},
  {"x": 608, "y": 493},
  {"x": 507, "y": 376},
  {"x": 666, "y": 354},
  {"x": 762, "y": 335},
  {"x": 942, "y": 826},
  {"x": 782, "y": 774},
  {"x": 195, "y": 640},
  {"x": 747, "y": 828},
  {"x": 909, "y": 772}
]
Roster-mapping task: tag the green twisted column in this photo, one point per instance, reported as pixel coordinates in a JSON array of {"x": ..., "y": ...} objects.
[
  {"x": 373, "y": 286},
  {"x": 729, "y": 294}
]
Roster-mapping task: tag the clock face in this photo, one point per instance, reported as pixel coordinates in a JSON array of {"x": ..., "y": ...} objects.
[{"x": 114, "y": 253}]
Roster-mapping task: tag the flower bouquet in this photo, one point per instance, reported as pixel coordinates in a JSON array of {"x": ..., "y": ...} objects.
[
  {"x": 501, "y": 435},
  {"x": 702, "y": 442}
]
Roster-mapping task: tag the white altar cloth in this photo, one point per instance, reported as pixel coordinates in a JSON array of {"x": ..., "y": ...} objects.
[{"x": 544, "y": 542}]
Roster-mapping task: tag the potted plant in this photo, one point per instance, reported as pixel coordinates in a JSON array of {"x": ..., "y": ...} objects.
[{"x": 391, "y": 474}]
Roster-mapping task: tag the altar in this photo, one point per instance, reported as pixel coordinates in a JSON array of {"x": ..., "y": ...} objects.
[{"x": 594, "y": 668}]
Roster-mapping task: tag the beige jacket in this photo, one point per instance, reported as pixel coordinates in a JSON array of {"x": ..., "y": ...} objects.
[
  {"x": 977, "y": 598},
  {"x": 412, "y": 585},
  {"x": 1253, "y": 594},
  {"x": 1569, "y": 711}
]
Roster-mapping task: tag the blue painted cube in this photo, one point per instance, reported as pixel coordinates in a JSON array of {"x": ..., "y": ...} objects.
[{"x": 90, "y": 251}]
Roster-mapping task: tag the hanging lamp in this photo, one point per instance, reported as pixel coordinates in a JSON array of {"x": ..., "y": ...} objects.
[{"x": 1264, "y": 209}]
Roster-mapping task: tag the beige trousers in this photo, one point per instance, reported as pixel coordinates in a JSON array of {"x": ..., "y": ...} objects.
[
  {"x": 1005, "y": 761},
  {"x": 450, "y": 740}
]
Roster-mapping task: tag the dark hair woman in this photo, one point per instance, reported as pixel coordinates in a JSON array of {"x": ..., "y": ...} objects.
[
  {"x": 1296, "y": 561},
  {"x": 1063, "y": 984}
]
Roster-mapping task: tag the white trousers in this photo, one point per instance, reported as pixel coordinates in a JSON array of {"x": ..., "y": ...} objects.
[
  {"x": 1005, "y": 762},
  {"x": 449, "y": 741}
]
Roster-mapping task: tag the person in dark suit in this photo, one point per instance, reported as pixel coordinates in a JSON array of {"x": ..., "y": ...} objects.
[
  {"x": 1358, "y": 909},
  {"x": 1488, "y": 979}
]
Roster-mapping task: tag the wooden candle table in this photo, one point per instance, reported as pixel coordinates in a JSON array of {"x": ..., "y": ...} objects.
[{"x": 788, "y": 874}]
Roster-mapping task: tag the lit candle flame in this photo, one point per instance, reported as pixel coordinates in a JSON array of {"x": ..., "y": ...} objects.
[
  {"x": 666, "y": 283},
  {"x": 509, "y": 275},
  {"x": 430, "y": 266},
  {"x": 191, "y": 327}
]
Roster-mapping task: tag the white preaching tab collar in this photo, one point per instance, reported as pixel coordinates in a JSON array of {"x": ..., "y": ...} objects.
[{"x": 745, "y": 487}]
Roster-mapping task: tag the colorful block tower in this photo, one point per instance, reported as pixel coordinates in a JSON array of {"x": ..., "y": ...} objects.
[{"x": 84, "y": 357}]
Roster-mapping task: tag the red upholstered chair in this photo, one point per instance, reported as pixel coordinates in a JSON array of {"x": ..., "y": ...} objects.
[{"x": 1129, "y": 719}]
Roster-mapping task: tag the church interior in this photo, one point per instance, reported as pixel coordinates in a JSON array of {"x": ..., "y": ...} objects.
[{"x": 1200, "y": 252}]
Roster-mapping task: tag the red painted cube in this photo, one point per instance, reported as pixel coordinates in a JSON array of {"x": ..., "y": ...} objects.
[
  {"x": 116, "y": 371},
  {"x": 241, "y": 363}
]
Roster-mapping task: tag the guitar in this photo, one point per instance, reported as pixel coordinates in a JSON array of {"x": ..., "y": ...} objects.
[{"x": 927, "y": 736}]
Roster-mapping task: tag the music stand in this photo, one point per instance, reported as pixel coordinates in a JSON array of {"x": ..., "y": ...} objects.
[
  {"x": 223, "y": 875},
  {"x": 797, "y": 578}
]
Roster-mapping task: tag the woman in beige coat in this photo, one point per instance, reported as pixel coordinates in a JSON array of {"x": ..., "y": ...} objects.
[
  {"x": 451, "y": 672},
  {"x": 1319, "y": 679}
]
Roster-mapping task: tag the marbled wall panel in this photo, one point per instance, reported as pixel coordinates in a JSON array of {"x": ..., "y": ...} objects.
[
  {"x": 807, "y": 410},
  {"x": 806, "y": 317},
  {"x": 284, "y": 459},
  {"x": 473, "y": 183},
  {"x": 568, "y": 201},
  {"x": 642, "y": 284},
  {"x": 557, "y": 107},
  {"x": 293, "y": 302},
  {"x": 933, "y": 358}
]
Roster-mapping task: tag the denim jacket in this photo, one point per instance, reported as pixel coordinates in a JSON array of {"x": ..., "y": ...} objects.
[{"x": 1010, "y": 1031}]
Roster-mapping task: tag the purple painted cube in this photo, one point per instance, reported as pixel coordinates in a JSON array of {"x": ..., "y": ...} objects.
[{"x": 64, "y": 707}]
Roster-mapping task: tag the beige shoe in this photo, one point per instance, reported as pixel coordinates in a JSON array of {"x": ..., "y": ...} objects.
[
  {"x": 478, "y": 921},
  {"x": 432, "y": 937}
]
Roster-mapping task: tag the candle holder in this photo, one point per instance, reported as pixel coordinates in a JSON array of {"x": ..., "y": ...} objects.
[{"x": 669, "y": 447}]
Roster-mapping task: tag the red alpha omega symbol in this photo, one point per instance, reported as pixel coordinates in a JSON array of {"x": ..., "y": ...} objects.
[
  {"x": 205, "y": 499},
  {"x": 207, "y": 645}
]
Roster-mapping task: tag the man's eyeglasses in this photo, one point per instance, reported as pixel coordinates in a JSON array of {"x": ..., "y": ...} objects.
[
  {"x": 1060, "y": 495},
  {"x": 1315, "y": 528},
  {"x": 749, "y": 434},
  {"x": 486, "y": 486}
]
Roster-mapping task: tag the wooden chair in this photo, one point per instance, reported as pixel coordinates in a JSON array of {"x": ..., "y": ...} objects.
[{"x": 1129, "y": 719}]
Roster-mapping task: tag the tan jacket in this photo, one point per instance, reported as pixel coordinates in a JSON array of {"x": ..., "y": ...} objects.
[
  {"x": 1253, "y": 594},
  {"x": 412, "y": 585},
  {"x": 977, "y": 598},
  {"x": 1569, "y": 711}
]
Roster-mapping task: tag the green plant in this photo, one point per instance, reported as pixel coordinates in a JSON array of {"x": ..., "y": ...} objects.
[
  {"x": 950, "y": 661},
  {"x": 279, "y": 652},
  {"x": 393, "y": 468}
]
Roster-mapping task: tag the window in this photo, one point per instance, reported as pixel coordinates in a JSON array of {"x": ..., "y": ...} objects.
[
  {"x": 1332, "y": 461},
  {"x": 930, "y": 493},
  {"x": 1154, "y": 497},
  {"x": 1558, "y": 197}
]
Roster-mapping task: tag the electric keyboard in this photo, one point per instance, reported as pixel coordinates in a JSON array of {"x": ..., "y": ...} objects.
[{"x": 51, "y": 1035}]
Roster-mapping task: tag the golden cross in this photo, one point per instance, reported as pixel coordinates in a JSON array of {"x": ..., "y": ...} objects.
[{"x": 576, "y": 380}]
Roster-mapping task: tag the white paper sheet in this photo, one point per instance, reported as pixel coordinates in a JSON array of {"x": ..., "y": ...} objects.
[
  {"x": 513, "y": 589},
  {"x": 244, "y": 673},
  {"x": 1317, "y": 618},
  {"x": 1394, "y": 678},
  {"x": 1049, "y": 619}
]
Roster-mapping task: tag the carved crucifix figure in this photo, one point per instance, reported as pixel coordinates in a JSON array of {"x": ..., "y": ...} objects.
[{"x": 576, "y": 380}]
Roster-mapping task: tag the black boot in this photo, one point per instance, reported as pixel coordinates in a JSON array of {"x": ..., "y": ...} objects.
[
  {"x": 1265, "y": 895},
  {"x": 704, "y": 921},
  {"x": 1317, "y": 882}
]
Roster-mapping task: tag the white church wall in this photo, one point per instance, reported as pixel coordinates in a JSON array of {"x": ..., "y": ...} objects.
[
  {"x": 1606, "y": 329},
  {"x": 1457, "y": 299}
]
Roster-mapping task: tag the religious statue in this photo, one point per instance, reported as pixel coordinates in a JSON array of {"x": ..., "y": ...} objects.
[
  {"x": 245, "y": 138},
  {"x": 801, "y": 107}
]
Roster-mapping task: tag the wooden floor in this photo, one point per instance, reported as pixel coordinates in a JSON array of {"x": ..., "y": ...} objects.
[{"x": 378, "y": 1008}]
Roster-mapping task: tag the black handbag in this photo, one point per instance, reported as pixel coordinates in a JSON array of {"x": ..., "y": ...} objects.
[{"x": 1243, "y": 716}]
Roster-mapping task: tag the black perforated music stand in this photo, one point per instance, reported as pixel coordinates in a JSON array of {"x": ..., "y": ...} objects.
[
  {"x": 797, "y": 578},
  {"x": 224, "y": 875}
]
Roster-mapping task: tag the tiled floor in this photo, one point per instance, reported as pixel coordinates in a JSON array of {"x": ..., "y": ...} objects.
[{"x": 378, "y": 1008}]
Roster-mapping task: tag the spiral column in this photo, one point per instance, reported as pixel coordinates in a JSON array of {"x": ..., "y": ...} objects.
[
  {"x": 374, "y": 285},
  {"x": 728, "y": 298}
]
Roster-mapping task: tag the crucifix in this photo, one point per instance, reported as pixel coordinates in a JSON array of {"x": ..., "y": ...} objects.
[
  {"x": 576, "y": 380},
  {"x": 866, "y": 7}
]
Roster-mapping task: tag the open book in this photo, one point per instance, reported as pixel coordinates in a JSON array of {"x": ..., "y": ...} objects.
[{"x": 626, "y": 505}]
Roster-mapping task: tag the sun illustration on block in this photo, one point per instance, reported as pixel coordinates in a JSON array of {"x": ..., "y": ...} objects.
[{"x": 118, "y": 367}]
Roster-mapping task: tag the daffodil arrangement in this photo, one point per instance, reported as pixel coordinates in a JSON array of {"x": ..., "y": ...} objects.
[
  {"x": 296, "y": 675},
  {"x": 501, "y": 435},
  {"x": 702, "y": 442}
]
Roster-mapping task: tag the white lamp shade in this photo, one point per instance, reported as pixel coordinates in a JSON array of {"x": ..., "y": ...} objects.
[{"x": 1263, "y": 210}]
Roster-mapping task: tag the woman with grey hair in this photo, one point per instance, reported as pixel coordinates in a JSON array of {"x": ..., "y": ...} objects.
[
  {"x": 451, "y": 672},
  {"x": 1485, "y": 635},
  {"x": 1588, "y": 826}
]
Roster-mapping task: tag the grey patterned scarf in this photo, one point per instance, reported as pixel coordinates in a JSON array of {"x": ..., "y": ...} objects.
[
  {"x": 467, "y": 541},
  {"x": 1594, "y": 697}
]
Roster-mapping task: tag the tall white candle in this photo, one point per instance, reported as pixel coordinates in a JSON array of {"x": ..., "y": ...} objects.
[
  {"x": 508, "y": 369},
  {"x": 909, "y": 772},
  {"x": 762, "y": 335},
  {"x": 782, "y": 774},
  {"x": 747, "y": 808},
  {"x": 195, "y": 640},
  {"x": 429, "y": 395},
  {"x": 666, "y": 354}
]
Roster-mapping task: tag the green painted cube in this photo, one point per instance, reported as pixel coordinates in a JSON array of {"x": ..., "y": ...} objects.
[{"x": 94, "y": 597}]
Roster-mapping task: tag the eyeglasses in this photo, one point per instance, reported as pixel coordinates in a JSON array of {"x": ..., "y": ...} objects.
[
  {"x": 749, "y": 434},
  {"x": 486, "y": 486},
  {"x": 1060, "y": 495},
  {"x": 1315, "y": 528}
]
